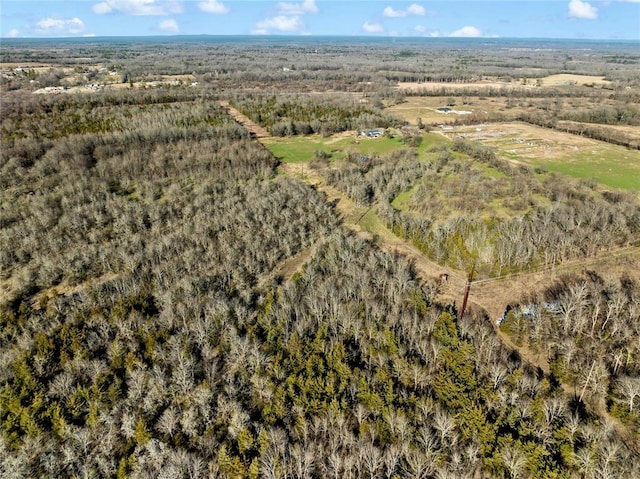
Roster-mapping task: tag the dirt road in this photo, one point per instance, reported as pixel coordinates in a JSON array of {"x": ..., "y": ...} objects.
[
  {"x": 245, "y": 121},
  {"x": 494, "y": 294}
]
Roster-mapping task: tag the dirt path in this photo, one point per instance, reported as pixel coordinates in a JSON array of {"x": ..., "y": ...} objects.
[
  {"x": 493, "y": 294},
  {"x": 245, "y": 121},
  {"x": 354, "y": 218}
]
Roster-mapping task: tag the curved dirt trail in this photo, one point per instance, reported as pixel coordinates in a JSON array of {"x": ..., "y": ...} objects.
[{"x": 452, "y": 290}]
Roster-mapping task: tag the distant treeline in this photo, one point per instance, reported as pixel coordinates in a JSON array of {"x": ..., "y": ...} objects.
[{"x": 286, "y": 115}]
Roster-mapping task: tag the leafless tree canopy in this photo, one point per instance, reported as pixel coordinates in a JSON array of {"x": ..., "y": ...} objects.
[{"x": 171, "y": 305}]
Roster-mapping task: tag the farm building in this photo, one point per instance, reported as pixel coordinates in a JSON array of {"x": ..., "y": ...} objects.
[{"x": 375, "y": 133}]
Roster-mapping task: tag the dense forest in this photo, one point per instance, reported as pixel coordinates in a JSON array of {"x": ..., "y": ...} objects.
[{"x": 173, "y": 303}]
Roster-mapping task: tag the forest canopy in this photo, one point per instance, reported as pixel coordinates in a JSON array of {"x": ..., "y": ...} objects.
[{"x": 178, "y": 301}]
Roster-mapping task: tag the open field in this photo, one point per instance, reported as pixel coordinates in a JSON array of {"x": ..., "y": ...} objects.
[
  {"x": 565, "y": 79},
  {"x": 425, "y": 108},
  {"x": 555, "y": 151},
  {"x": 433, "y": 86},
  {"x": 559, "y": 80},
  {"x": 573, "y": 155},
  {"x": 558, "y": 151},
  {"x": 503, "y": 107},
  {"x": 301, "y": 149}
]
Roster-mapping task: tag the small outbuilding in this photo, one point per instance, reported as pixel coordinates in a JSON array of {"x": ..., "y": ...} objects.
[{"x": 374, "y": 133}]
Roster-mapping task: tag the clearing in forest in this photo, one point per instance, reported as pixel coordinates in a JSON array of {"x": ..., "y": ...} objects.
[
  {"x": 568, "y": 79},
  {"x": 435, "y": 86},
  {"x": 573, "y": 155},
  {"x": 297, "y": 149},
  {"x": 559, "y": 80}
]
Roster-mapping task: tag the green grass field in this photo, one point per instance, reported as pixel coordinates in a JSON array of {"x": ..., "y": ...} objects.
[
  {"x": 560, "y": 152},
  {"x": 300, "y": 149},
  {"x": 610, "y": 165},
  {"x": 616, "y": 167},
  {"x": 402, "y": 200}
]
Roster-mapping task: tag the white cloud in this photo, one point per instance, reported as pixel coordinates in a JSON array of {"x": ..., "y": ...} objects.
[
  {"x": 138, "y": 7},
  {"x": 420, "y": 29},
  {"x": 307, "y": 6},
  {"x": 281, "y": 23},
  {"x": 389, "y": 12},
  {"x": 372, "y": 27},
  {"x": 467, "y": 31},
  {"x": 170, "y": 26},
  {"x": 13, "y": 33},
  {"x": 416, "y": 9},
  {"x": 59, "y": 26},
  {"x": 580, "y": 9},
  {"x": 102, "y": 8},
  {"x": 213, "y": 6}
]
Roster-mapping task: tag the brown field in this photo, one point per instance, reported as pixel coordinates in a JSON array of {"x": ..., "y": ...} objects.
[
  {"x": 566, "y": 79},
  {"x": 408, "y": 86},
  {"x": 26, "y": 65},
  {"x": 415, "y": 107},
  {"x": 425, "y": 107},
  {"x": 574, "y": 155},
  {"x": 531, "y": 142},
  {"x": 563, "y": 79}
]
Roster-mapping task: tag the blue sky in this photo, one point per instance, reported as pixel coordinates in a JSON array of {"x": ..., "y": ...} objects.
[{"x": 594, "y": 19}]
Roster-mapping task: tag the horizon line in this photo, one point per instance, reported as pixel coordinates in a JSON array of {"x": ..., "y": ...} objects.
[{"x": 321, "y": 35}]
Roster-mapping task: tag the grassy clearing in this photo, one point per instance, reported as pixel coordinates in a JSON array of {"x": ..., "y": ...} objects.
[
  {"x": 575, "y": 156},
  {"x": 430, "y": 140},
  {"x": 299, "y": 149},
  {"x": 371, "y": 222},
  {"x": 567, "y": 79},
  {"x": 401, "y": 202},
  {"x": 615, "y": 170},
  {"x": 426, "y": 108},
  {"x": 579, "y": 157}
]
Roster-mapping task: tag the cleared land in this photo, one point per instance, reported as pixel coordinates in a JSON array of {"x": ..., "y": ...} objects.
[
  {"x": 505, "y": 108},
  {"x": 302, "y": 149},
  {"x": 572, "y": 155},
  {"x": 567, "y": 79},
  {"x": 567, "y": 153},
  {"x": 558, "y": 80},
  {"x": 433, "y": 86}
]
